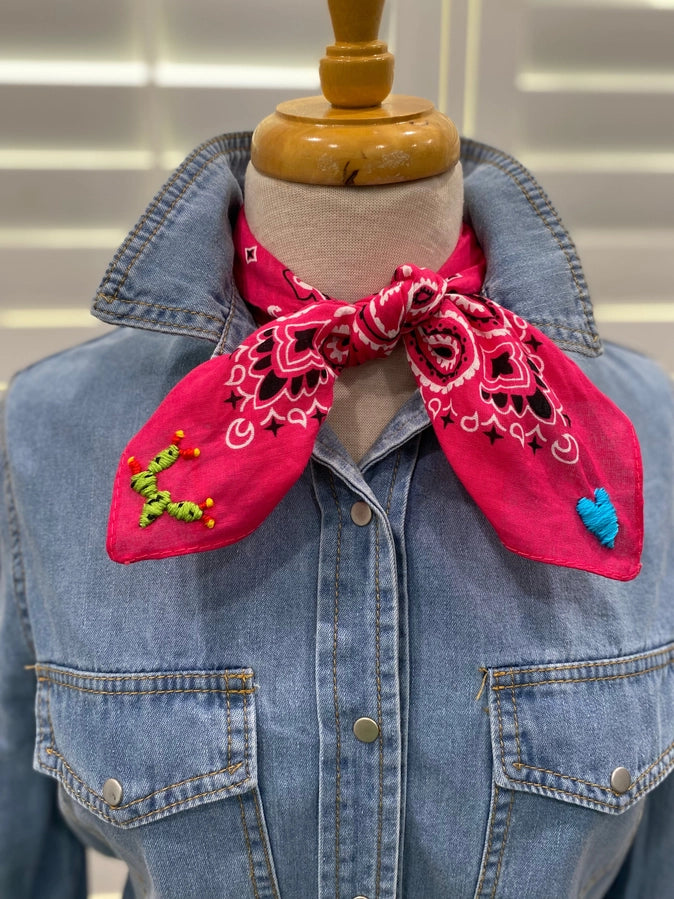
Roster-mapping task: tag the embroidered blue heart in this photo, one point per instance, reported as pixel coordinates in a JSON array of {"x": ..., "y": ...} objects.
[{"x": 599, "y": 516}]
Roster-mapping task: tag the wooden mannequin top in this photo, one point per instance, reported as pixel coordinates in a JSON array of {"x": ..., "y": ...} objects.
[{"x": 354, "y": 135}]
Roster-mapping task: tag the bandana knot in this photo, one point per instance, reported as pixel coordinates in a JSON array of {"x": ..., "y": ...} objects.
[{"x": 371, "y": 328}]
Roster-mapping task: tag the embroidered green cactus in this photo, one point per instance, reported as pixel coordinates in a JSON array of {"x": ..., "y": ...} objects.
[{"x": 159, "y": 501}]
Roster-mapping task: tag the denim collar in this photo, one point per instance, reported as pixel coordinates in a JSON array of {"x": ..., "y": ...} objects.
[{"x": 173, "y": 272}]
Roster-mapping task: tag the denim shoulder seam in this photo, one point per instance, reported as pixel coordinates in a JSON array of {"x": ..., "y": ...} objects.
[{"x": 18, "y": 570}]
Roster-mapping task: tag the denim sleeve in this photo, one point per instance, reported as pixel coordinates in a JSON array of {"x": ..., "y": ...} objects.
[{"x": 40, "y": 858}]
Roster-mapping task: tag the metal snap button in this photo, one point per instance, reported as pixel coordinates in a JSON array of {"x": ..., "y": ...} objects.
[
  {"x": 366, "y": 730},
  {"x": 621, "y": 780},
  {"x": 113, "y": 792},
  {"x": 361, "y": 514}
]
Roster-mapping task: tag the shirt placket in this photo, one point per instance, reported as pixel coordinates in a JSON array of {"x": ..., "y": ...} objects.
[{"x": 361, "y": 708}]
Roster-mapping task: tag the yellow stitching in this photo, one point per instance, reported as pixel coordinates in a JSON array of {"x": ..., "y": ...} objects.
[
  {"x": 530, "y": 783},
  {"x": 141, "y": 692},
  {"x": 229, "y": 150},
  {"x": 641, "y": 792},
  {"x": 265, "y": 848},
  {"x": 166, "y": 325},
  {"x": 251, "y": 866},
  {"x": 527, "y": 783},
  {"x": 230, "y": 769},
  {"x": 166, "y": 214},
  {"x": 229, "y": 730},
  {"x": 489, "y": 840},
  {"x": 338, "y": 733},
  {"x": 625, "y": 660},
  {"x": 134, "y": 302},
  {"x": 503, "y": 844},
  {"x": 553, "y": 212},
  {"x": 588, "y": 783},
  {"x": 584, "y": 680},
  {"x": 245, "y": 736},
  {"x": 656, "y": 762},
  {"x": 517, "y": 725},
  {"x": 102, "y": 814},
  {"x": 246, "y": 675},
  {"x": 148, "y": 212},
  {"x": 540, "y": 324},
  {"x": 380, "y": 809}
]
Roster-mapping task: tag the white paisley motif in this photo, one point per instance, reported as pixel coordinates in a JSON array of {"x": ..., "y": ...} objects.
[
  {"x": 470, "y": 423},
  {"x": 236, "y": 375},
  {"x": 568, "y": 454},
  {"x": 517, "y": 431},
  {"x": 434, "y": 407},
  {"x": 239, "y": 433},
  {"x": 297, "y": 417}
]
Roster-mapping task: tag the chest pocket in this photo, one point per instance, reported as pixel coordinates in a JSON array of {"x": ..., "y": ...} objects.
[
  {"x": 133, "y": 748},
  {"x": 589, "y": 737},
  {"x": 597, "y": 734}
]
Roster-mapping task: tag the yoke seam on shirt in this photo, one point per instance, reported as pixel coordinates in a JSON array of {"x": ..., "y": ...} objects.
[
  {"x": 134, "y": 302},
  {"x": 165, "y": 326}
]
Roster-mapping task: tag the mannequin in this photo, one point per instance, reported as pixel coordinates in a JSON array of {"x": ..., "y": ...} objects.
[{"x": 346, "y": 239}]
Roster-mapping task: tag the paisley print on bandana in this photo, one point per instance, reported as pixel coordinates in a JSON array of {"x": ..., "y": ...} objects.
[{"x": 527, "y": 434}]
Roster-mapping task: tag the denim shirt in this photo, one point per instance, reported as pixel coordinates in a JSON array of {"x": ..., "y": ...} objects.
[{"x": 194, "y": 716}]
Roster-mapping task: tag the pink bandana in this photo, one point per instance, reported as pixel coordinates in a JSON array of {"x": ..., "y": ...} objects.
[{"x": 553, "y": 463}]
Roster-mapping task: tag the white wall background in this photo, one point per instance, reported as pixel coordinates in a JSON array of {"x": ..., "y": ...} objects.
[{"x": 100, "y": 99}]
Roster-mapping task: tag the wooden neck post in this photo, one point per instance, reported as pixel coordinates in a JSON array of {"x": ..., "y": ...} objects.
[{"x": 355, "y": 134}]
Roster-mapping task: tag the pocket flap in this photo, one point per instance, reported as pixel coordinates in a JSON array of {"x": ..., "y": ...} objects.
[
  {"x": 136, "y": 747},
  {"x": 565, "y": 730}
]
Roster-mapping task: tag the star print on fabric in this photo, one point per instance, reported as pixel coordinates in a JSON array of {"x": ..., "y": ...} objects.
[
  {"x": 447, "y": 420},
  {"x": 533, "y": 343},
  {"x": 233, "y": 398},
  {"x": 535, "y": 445},
  {"x": 319, "y": 416},
  {"x": 274, "y": 427},
  {"x": 251, "y": 254},
  {"x": 493, "y": 435}
]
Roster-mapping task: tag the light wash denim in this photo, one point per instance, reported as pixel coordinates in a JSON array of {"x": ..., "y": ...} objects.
[{"x": 220, "y": 689}]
